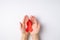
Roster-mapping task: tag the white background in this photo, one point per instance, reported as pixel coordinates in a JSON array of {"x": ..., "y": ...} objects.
[{"x": 13, "y": 11}]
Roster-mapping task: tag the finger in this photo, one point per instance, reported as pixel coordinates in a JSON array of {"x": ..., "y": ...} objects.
[
  {"x": 22, "y": 26},
  {"x": 38, "y": 25},
  {"x": 26, "y": 18},
  {"x": 33, "y": 19}
]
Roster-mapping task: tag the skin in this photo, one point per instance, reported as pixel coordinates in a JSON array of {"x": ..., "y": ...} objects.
[
  {"x": 23, "y": 27},
  {"x": 36, "y": 28}
]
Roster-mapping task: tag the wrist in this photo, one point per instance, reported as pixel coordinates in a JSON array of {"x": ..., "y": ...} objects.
[
  {"x": 35, "y": 37},
  {"x": 24, "y": 36}
]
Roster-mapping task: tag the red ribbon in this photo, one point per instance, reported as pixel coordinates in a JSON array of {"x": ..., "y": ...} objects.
[{"x": 29, "y": 26}]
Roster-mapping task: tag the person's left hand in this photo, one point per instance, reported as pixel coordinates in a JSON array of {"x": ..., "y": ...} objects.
[{"x": 23, "y": 25}]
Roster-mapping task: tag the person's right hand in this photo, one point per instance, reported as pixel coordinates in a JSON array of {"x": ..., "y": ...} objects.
[{"x": 35, "y": 26}]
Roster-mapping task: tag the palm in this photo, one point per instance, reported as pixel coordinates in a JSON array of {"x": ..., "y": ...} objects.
[
  {"x": 23, "y": 25},
  {"x": 35, "y": 26}
]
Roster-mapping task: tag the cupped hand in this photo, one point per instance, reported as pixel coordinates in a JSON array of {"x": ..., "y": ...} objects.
[
  {"x": 23, "y": 25},
  {"x": 35, "y": 26}
]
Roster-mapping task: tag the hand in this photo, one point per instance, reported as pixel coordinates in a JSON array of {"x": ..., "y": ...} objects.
[
  {"x": 23, "y": 27},
  {"x": 35, "y": 26}
]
